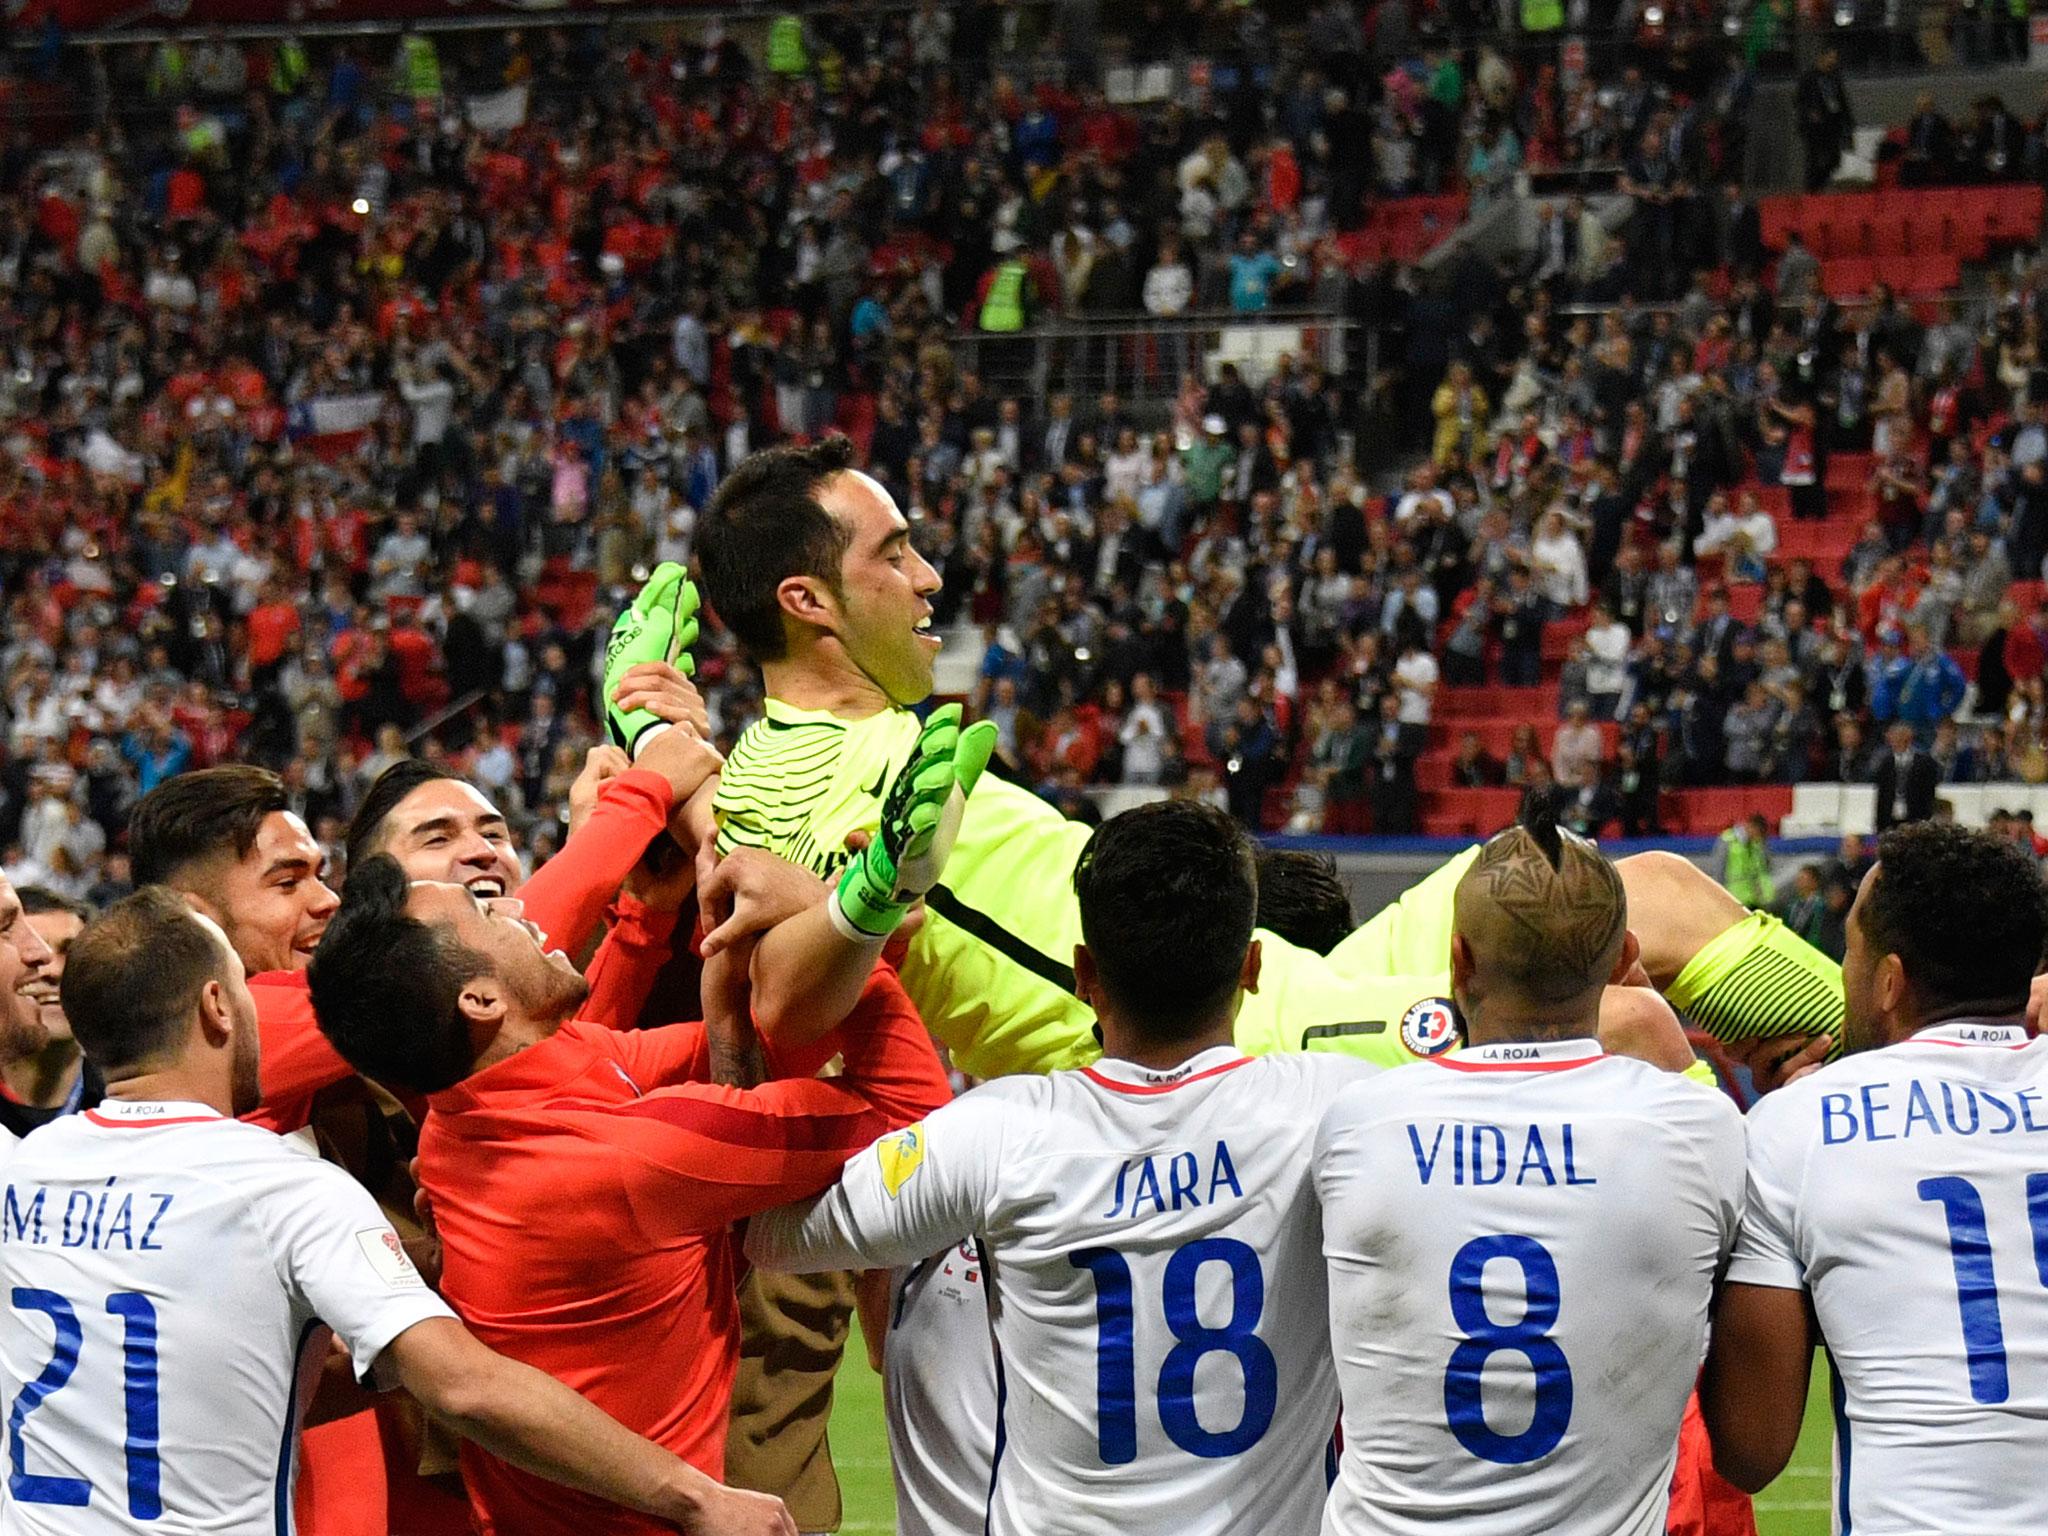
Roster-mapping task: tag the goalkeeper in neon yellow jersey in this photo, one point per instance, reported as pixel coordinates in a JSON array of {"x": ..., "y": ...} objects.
[{"x": 810, "y": 563}]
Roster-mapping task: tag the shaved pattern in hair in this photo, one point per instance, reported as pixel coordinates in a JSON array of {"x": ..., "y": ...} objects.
[{"x": 1544, "y": 917}]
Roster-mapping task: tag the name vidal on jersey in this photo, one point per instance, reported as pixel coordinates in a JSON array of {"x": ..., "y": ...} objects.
[
  {"x": 1184, "y": 1185},
  {"x": 1877, "y": 1114},
  {"x": 1479, "y": 1154},
  {"x": 102, "y": 1220}
]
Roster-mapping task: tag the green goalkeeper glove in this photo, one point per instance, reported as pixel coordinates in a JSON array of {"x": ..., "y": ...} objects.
[
  {"x": 920, "y": 821},
  {"x": 661, "y": 625}
]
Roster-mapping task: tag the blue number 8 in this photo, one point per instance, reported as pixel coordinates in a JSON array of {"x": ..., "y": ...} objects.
[
  {"x": 1529, "y": 1335},
  {"x": 1115, "y": 1354}
]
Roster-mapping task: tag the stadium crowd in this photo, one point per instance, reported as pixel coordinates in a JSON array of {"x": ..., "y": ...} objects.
[{"x": 343, "y": 395}]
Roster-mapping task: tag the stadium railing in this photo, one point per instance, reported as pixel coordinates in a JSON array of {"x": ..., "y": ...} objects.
[{"x": 1142, "y": 359}]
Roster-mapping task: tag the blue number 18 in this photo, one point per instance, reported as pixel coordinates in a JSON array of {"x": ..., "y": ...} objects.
[
  {"x": 139, "y": 1394},
  {"x": 1116, "y": 1371}
]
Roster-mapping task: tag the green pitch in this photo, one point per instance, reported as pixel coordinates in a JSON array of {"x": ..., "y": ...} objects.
[
  {"x": 860, "y": 1446},
  {"x": 1795, "y": 1505}
]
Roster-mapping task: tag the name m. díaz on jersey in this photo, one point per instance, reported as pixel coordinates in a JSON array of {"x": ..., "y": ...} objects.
[
  {"x": 105, "y": 1220},
  {"x": 1481, "y": 1153},
  {"x": 1924, "y": 1107}
]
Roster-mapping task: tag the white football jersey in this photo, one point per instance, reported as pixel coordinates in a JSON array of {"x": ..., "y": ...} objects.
[
  {"x": 1153, "y": 1257},
  {"x": 173, "y": 1276},
  {"x": 1907, "y": 1190},
  {"x": 1522, "y": 1243},
  {"x": 939, "y": 1391}
]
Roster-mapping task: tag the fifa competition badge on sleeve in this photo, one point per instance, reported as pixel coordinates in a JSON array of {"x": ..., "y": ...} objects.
[
  {"x": 388, "y": 1258},
  {"x": 901, "y": 1155},
  {"x": 1430, "y": 1027}
]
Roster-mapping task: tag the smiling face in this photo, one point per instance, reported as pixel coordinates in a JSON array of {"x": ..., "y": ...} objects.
[
  {"x": 885, "y": 588},
  {"x": 446, "y": 830},
  {"x": 56, "y": 929},
  {"x": 24, "y": 957},
  {"x": 272, "y": 903},
  {"x": 544, "y": 983}
]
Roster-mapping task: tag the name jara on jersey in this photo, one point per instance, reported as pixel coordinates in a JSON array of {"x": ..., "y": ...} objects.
[
  {"x": 1481, "y": 1154},
  {"x": 103, "y": 1220},
  {"x": 1185, "y": 1187}
]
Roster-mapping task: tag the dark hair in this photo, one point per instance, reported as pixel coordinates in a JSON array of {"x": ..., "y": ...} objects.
[
  {"x": 132, "y": 978},
  {"x": 1168, "y": 893},
  {"x": 1963, "y": 910},
  {"x": 764, "y": 526},
  {"x": 1303, "y": 900},
  {"x": 385, "y": 985},
  {"x": 201, "y": 815},
  {"x": 365, "y": 829},
  {"x": 37, "y": 899}
]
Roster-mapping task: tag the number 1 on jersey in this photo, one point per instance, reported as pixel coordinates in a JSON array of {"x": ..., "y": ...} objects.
[
  {"x": 1116, "y": 1370},
  {"x": 1969, "y": 1247}
]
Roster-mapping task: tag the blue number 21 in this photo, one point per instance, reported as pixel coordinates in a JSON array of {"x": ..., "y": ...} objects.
[
  {"x": 139, "y": 1392},
  {"x": 1969, "y": 1246},
  {"x": 1116, "y": 1370}
]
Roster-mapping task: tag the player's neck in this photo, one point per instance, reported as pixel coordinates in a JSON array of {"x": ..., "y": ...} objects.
[
  {"x": 179, "y": 1084},
  {"x": 515, "y": 1035},
  {"x": 45, "y": 1080},
  {"x": 1531, "y": 1027},
  {"x": 1139, "y": 1052},
  {"x": 826, "y": 682}
]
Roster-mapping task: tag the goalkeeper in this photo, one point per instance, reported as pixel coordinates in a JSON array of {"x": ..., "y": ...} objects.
[{"x": 810, "y": 564}]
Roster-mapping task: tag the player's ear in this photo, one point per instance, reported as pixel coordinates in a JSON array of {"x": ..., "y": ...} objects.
[
  {"x": 1248, "y": 978},
  {"x": 1891, "y": 983},
  {"x": 1084, "y": 975},
  {"x": 1461, "y": 965},
  {"x": 809, "y": 601},
  {"x": 482, "y": 1003},
  {"x": 216, "y": 1013},
  {"x": 1625, "y": 962}
]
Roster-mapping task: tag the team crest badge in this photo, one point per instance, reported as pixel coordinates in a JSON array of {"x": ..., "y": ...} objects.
[
  {"x": 1430, "y": 1027},
  {"x": 901, "y": 1156}
]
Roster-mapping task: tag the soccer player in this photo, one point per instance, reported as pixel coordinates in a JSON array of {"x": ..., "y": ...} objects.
[
  {"x": 584, "y": 1180},
  {"x": 25, "y": 958},
  {"x": 174, "y": 1271},
  {"x": 810, "y": 564},
  {"x": 56, "y": 1080},
  {"x": 1523, "y": 1237},
  {"x": 1898, "y": 1214},
  {"x": 1148, "y": 1225}
]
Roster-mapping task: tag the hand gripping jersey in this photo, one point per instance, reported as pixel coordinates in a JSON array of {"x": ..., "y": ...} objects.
[
  {"x": 991, "y": 970},
  {"x": 1151, "y": 1249},
  {"x": 172, "y": 1280},
  {"x": 1522, "y": 1242},
  {"x": 1907, "y": 1190}
]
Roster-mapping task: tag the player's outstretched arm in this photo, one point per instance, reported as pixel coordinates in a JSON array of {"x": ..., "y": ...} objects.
[
  {"x": 819, "y": 945},
  {"x": 912, "y": 1193},
  {"x": 527, "y": 1418},
  {"x": 1753, "y": 1391}
]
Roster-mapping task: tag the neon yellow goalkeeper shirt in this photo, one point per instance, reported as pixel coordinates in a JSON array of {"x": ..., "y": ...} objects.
[{"x": 992, "y": 968}]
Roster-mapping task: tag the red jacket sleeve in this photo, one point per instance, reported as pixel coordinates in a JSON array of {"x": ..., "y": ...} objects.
[
  {"x": 297, "y": 1060},
  {"x": 698, "y": 1156},
  {"x": 568, "y": 894},
  {"x": 622, "y": 972}
]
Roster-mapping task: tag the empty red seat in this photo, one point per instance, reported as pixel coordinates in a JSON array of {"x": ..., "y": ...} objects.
[{"x": 1846, "y": 277}]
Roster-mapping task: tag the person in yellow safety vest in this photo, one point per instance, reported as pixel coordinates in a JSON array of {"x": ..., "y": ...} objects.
[
  {"x": 1003, "y": 301},
  {"x": 1542, "y": 15},
  {"x": 167, "y": 69},
  {"x": 288, "y": 67},
  {"x": 786, "y": 52},
  {"x": 419, "y": 68}
]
